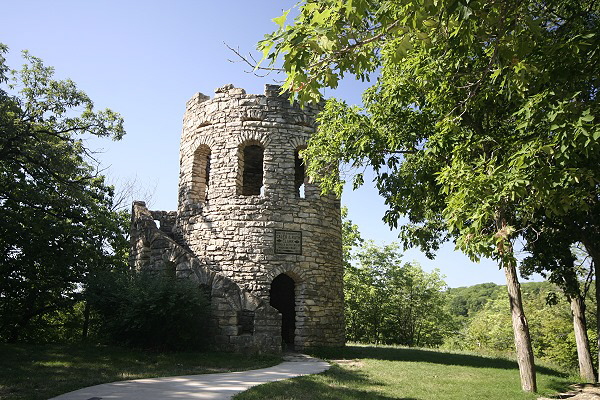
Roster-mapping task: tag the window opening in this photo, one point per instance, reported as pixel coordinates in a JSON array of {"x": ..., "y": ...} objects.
[
  {"x": 201, "y": 174},
  {"x": 299, "y": 175},
  {"x": 252, "y": 176},
  {"x": 246, "y": 321},
  {"x": 170, "y": 269},
  {"x": 206, "y": 177}
]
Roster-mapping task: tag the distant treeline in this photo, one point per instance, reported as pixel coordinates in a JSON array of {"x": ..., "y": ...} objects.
[
  {"x": 402, "y": 304},
  {"x": 482, "y": 317}
]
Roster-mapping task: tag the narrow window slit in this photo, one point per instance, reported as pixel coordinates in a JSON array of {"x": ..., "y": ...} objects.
[
  {"x": 299, "y": 175},
  {"x": 201, "y": 174}
]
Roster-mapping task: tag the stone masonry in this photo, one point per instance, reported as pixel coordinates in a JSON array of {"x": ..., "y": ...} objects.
[{"x": 249, "y": 226}]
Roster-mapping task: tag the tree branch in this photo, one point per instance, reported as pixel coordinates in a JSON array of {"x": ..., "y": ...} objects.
[{"x": 254, "y": 64}]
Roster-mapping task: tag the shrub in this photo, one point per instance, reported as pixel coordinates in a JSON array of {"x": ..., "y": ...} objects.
[{"x": 150, "y": 311}]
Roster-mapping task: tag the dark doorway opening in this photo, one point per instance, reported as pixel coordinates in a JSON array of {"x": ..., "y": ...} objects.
[{"x": 282, "y": 298}]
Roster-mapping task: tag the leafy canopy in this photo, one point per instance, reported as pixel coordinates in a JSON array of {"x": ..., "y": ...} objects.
[
  {"x": 485, "y": 113},
  {"x": 59, "y": 223}
]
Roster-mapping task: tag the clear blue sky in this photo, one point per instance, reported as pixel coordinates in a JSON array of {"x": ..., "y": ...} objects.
[{"x": 145, "y": 59}]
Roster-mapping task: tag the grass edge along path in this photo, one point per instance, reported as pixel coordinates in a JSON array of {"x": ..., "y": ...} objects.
[
  {"x": 36, "y": 372},
  {"x": 386, "y": 372}
]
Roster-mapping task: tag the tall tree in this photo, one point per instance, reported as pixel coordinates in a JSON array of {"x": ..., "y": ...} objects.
[
  {"x": 551, "y": 256},
  {"x": 388, "y": 301},
  {"x": 58, "y": 223},
  {"x": 351, "y": 237},
  {"x": 485, "y": 113},
  {"x": 586, "y": 224}
]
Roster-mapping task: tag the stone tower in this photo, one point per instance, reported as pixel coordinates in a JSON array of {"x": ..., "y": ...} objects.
[{"x": 249, "y": 225}]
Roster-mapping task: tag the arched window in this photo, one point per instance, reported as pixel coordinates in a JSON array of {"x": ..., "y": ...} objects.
[
  {"x": 201, "y": 174},
  {"x": 299, "y": 174},
  {"x": 251, "y": 162}
]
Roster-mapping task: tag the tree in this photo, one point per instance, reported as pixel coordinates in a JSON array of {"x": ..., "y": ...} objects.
[
  {"x": 58, "y": 222},
  {"x": 466, "y": 301},
  {"x": 586, "y": 225},
  {"x": 484, "y": 114},
  {"x": 387, "y": 301},
  {"x": 553, "y": 339},
  {"x": 550, "y": 254},
  {"x": 351, "y": 237}
]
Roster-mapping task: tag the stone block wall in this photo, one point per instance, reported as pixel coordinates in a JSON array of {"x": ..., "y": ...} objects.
[
  {"x": 239, "y": 202},
  {"x": 154, "y": 250}
]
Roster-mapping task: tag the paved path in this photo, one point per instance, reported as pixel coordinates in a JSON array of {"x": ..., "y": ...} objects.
[{"x": 207, "y": 386}]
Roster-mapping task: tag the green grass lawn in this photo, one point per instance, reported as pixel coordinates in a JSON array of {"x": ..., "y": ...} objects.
[
  {"x": 358, "y": 372},
  {"x": 368, "y": 372},
  {"x": 43, "y": 371}
]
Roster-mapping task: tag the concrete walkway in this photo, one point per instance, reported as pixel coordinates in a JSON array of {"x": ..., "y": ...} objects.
[{"x": 207, "y": 386}]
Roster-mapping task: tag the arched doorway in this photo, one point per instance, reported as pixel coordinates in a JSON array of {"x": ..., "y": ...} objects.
[{"x": 282, "y": 298}]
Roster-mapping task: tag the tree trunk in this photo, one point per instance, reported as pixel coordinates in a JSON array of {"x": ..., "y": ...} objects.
[
  {"x": 597, "y": 285},
  {"x": 595, "y": 254},
  {"x": 520, "y": 329},
  {"x": 86, "y": 321},
  {"x": 584, "y": 355},
  {"x": 597, "y": 274}
]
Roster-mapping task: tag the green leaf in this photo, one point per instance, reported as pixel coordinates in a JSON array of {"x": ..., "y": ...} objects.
[
  {"x": 587, "y": 118},
  {"x": 326, "y": 43},
  {"x": 547, "y": 149},
  {"x": 281, "y": 19}
]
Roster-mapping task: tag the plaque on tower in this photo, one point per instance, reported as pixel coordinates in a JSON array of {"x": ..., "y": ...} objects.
[{"x": 288, "y": 242}]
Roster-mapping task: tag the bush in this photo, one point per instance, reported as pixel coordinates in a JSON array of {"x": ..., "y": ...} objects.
[{"x": 150, "y": 311}]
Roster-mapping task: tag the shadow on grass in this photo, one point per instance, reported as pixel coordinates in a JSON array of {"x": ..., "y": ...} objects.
[
  {"x": 42, "y": 371},
  {"x": 422, "y": 355},
  {"x": 334, "y": 384},
  {"x": 559, "y": 386}
]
